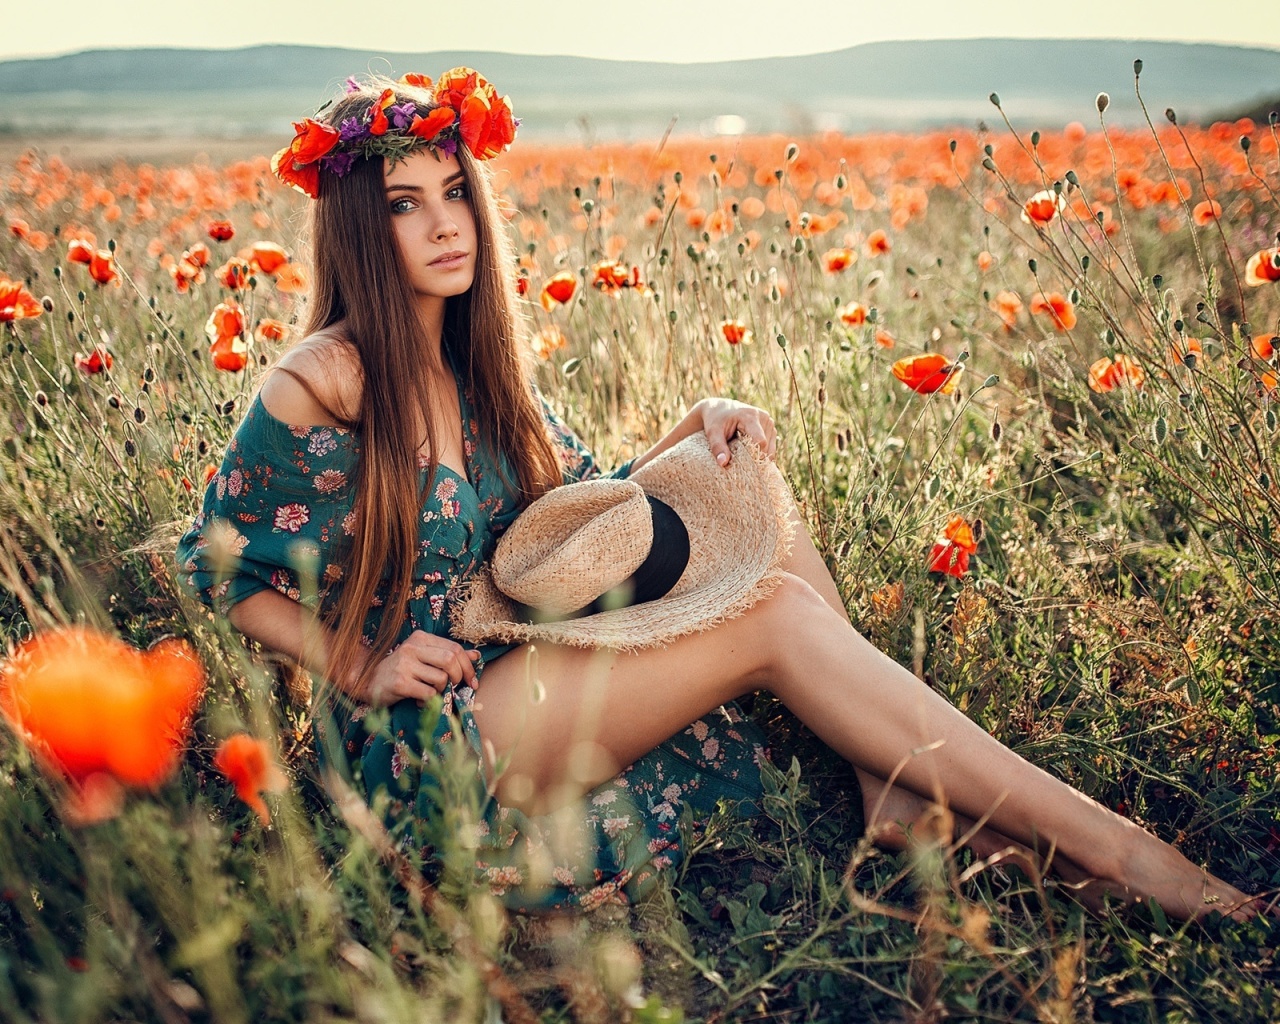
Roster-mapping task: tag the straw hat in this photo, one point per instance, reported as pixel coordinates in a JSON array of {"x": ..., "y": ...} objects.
[{"x": 572, "y": 556}]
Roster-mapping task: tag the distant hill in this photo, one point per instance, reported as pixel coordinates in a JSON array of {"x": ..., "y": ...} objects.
[{"x": 906, "y": 85}]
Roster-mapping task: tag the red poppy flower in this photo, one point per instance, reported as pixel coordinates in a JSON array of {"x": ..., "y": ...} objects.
[
  {"x": 184, "y": 272},
  {"x": 303, "y": 177},
  {"x": 985, "y": 261},
  {"x": 1192, "y": 348},
  {"x": 853, "y": 314},
  {"x": 80, "y": 250},
  {"x": 522, "y": 284},
  {"x": 547, "y": 341},
  {"x": 297, "y": 164},
  {"x": 949, "y": 558},
  {"x": 1058, "y": 308},
  {"x": 959, "y": 532},
  {"x": 1206, "y": 212},
  {"x": 1007, "y": 305},
  {"x": 1263, "y": 268},
  {"x": 612, "y": 276},
  {"x": 230, "y": 354},
  {"x": 836, "y": 260},
  {"x": 735, "y": 331},
  {"x": 269, "y": 330},
  {"x": 456, "y": 84},
  {"x": 558, "y": 290},
  {"x": 234, "y": 274},
  {"x": 378, "y": 123},
  {"x": 221, "y": 230},
  {"x": 1042, "y": 208},
  {"x": 878, "y": 242},
  {"x": 95, "y": 362},
  {"x": 291, "y": 279},
  {"x": 266, "y": 256},
  {"x": 88, "y": 705},
  {"x": 198, "y": 254},
  {"x": 884, "y": 339},
  {"x": 248, "y": 765},
  {"x": 1263, "y": 345},
  {"x": 102, "y": 268},
  {"x": 16, "y": 303},
  {"x": 19, "y": 228},
  {"x": 416, "y": 81},
  {"x": 226, "y": 321},
  {"x": 928, "y": 373},
  {"x": 1108, "y": 374},
  {"x": 486, "y": 124},
  {"x": 433, "y": 124}
]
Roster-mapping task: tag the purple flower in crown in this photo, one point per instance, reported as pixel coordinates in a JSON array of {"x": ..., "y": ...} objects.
[
  {"x": 352, "y": 84},
  {"x": 338, "y": 164},
  {"x": 447, "y": 144},
  {"x": 403, "y": 114},
  {"x": 352, "y": 129}
]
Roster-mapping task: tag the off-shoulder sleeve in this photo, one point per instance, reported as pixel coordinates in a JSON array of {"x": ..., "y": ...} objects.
[
  {"x": 274, "y": 515},
  {"x": 575, "y": 457}
]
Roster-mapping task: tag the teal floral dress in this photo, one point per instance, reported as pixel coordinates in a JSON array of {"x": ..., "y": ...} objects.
[{"x": 279, "y": 514}]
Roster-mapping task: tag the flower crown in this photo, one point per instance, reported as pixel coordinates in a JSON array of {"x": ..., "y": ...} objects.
[{"x": 463, "y": 106}]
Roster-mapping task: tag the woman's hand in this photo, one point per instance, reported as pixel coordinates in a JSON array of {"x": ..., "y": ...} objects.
[
  {"x": 723, "y": 419},
  {"x": 418, "y": 669}
]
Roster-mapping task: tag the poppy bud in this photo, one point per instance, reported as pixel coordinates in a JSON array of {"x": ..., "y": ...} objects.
[
  {"x": 1137, "y": 68},
  {"x": 47, "y": 303},
  {"x": 1170, "y": 115},
  {"x": 996, "y": 431},
  {"x": 139, "y": 415},
  {"x": 130, "y": 449},
  {"x": 995, "y": 99},
  {"x": 42, "y": 399},
  {"x": 1102, "y": 102},
  {"x": 793, "y": 152},
  {"x": 1244, "y": 143}
]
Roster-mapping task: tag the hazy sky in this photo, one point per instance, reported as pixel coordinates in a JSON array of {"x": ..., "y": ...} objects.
[{"x": 673, "y": 30}]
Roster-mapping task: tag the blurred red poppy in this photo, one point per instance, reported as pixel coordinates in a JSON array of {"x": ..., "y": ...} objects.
[
  {"x": 1263, "y": 345},
  {"x": 89, "y": 705},
  {"x": 221, "y": 230},
  {"x": 1206, "y": 212},
  {"x": 1008, "y": 306},
  {"x": 1263, "y": 268},
  {"x": 878, "y": 243},
  {"x": 547, "y": 341},
  {"x": 613, "y": 275},
  {"x": 1108, "y": 374},
  {"x": 102, "y": 267},
  {"x": 985, "y": 261},
  {"x": 558, "y": 290},
  {"x": 226, "y": 321},
  {"x": 1042, "y": 208},
  {"x": 853, "y": 314},
  {"x": 269, "y": 330},
  {"x": 234, "y": 274},
  {"x": 230, "y": 354},
  {"x": 16, "y": 303},
  {"x": 836, "y": 260},
  {"x": 198, "y": 255},
  {"x": 80, "y": 250},
  {"x": 416, "y": 80},
  {"x": 266, "y": 256},
  {"x": 928, "y": 373},
  {"x": 96, "y": 361},
  {"x": 1192, "y": 347},
  {"x": 291, "y": 279},
  {"x": 950, "y": 555},
  {"x": 248, "y": 765},
  {"x": 735, "y": 332},
  {"x": 1058, "y": 308}
]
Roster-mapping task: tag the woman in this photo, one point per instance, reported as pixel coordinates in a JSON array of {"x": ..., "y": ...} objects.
[{"x": 400, "y": 439}]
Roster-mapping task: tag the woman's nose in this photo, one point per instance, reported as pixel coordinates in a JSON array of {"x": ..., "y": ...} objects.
[{"x": 445, "y": 227}]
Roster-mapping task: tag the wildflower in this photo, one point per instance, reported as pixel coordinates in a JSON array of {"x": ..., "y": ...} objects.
[
  {"x": 102, "y": 268},
  {"x": 81, "y": 250},
  {"x": 1263, "y": 268},
  {"x": 1206, "y": 212},
  {"x": 291, "y": 279},
  {"x": 878, "y": 243},
  {"x": 1007, "y": 305},
  {"x": 735, "y": 332},
  {"x": 558, "y": 290},
  {"x": 234, "y": 274},
  {"x": 100, "y": 713},
  {"x": 16, "y": 303},
  {"x": 230, "y": 354},
  {"x": 297, "y": 165},
  {"x": 247, "y": 764},
  {"x": 379, "y": 122},
  {"x": 226, "y": 321},
  {"x": 853, "y": 314},
  {"x": 928, "y": 373},
  {"x": 269, "y": 330},
  {"x": 985, "y": 261},
  {"x": 611, "y": 276},
  {"x": 1041, "y": 209},
  {"x": 836, "y": 260},
  {"x": 548, "y": 340},
  {"x": 950, "y": 554},
  {"x": 884, "y": 339},
  {"x": 433, "y": 124},
  {"x": 1263, "y": 346},
  {"x": 95, "y": 362},
  {"x": 1108, "y": 374},
  {"x": 1193, "y": 348},
  {"x": 1057, "y": 307},
  {"x": 266, "y": 256},
  {"x": 19, "y": 228},
  {"x": 198, "y": 255},
  {"x": 484, "y": 118},
  {"x": 220, "y": 230},
  {"x": 184, "y": 272}
]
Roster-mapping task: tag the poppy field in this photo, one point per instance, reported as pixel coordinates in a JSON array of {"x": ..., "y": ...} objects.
[{"x": 1027, "y": 393}]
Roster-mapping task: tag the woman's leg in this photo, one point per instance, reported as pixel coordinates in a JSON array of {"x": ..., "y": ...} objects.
[{"x": 593, "y": 712}]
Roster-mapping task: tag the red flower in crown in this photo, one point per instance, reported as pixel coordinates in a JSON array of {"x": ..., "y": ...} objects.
[
  {"x": 485, "y": 121},
  {"x": 298, "y": 164}
]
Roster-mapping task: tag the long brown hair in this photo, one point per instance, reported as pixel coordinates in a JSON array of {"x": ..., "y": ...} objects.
[{"x": 359, "y": 281}]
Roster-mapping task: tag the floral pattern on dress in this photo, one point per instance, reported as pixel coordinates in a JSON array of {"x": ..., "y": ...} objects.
[{"x": 282, "y": 504}]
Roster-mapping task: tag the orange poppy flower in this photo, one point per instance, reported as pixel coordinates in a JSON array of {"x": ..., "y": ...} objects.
[
  {"x": 198, "y": 254},
  {"x": 184, "y": 272},
  {"x": 1058, "y": 308},
  {"x": 1263, "y": 345},
  {"x": 81, "y": 250},
  {"x": 558, "y": 290},
  {"x": 612, "y": 276},
  {"x": 547, "y": 341},
  {"x": 878, "y": 242},
  {"x": 484, "y": 118},
  {"x": 226, "y": 321},
  {"x": 416, "y": 80},
  {"x": 836, "y": 260},
  {"x": 1008, "y": 306},
  {"x": 1270, "y": 380},
  {"x": 234, "y": 274},
  {"x": 433, "y": 124},
  {"x": 266, "y": 256},
  {"x": 102, "y": 268},
  {"x": 1263, "y": 268},
  {"x": 269, "y": 330},
  {"x": 985, "y": 261},
  {"x": 853, "y": 314},
  {"x": 735, "y": 332},
  {"x": 960, "y": 533},
  {"x": 379, "y": 122},
  {"x": 88, "y": 704},
  {"x": 297, "y": 165},
  {"x": 19, "y": 228},
  {"x": 1206, "y": 212},
  {"x": 16, "y": 303},
  {"x": 220, "y": 230},
  {"x": 95, "y": 362},
  {"x": 928, "y": 373},
  {"x": 1108, "y": 374},
  {"x": 247, "y": 764},
  {"x": 884, "y": 339},
  {"x": 291, "y": 279},
  {"x": 1042, "y": 208},
  {"x": 1193, "y": 348},
  {"x": 948, "y": 558},
  {"x": 230, "y": 354}
]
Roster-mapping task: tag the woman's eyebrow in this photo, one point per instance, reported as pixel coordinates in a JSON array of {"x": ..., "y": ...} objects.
[{"x": 404, "y": 188}]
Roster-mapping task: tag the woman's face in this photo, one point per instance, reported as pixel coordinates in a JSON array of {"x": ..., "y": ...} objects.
[{"x": 433, "y": 223}]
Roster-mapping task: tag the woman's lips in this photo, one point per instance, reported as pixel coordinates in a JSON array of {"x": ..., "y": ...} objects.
[{"x": 449, "y": 260}]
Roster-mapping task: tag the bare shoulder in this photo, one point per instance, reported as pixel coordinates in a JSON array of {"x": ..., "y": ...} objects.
[{"x": 317, "y": 382}]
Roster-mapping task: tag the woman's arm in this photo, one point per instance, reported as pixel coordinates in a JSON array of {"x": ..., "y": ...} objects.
[
  {"x": 416, "y": 670},
  {"x": 720, "y": 419}
]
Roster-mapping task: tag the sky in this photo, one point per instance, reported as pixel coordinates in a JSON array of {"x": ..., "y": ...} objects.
[{"x": 665, "y": 30}]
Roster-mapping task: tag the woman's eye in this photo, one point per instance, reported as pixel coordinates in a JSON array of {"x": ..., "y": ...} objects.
[
  {"x": 457, "y": 192},
  {"x": 401, "y": 205}
]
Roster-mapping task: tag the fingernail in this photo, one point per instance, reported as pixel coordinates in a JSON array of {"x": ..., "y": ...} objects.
[{"x": 722, "y": 458}]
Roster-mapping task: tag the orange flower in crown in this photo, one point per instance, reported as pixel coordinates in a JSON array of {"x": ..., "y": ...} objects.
[{"x": 463, "y": 107}]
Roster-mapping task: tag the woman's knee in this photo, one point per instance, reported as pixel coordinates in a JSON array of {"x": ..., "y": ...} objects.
[{"x": 793, "y": 611}]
